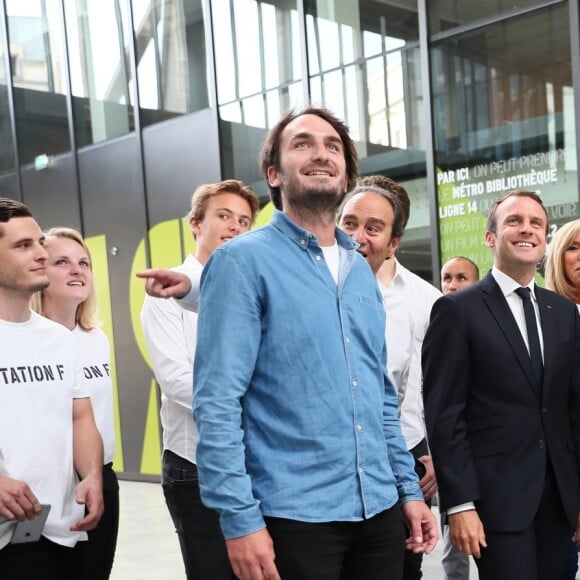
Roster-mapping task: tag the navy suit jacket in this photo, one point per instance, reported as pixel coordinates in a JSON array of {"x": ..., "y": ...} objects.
[{"x": 491, "y": 428}]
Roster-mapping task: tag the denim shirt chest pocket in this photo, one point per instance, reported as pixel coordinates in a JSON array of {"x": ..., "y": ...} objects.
[{"x": 371, "y": 313}]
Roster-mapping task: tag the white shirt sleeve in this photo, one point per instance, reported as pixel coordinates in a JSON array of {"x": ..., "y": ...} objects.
[
  {"x": 171, "y": 336},
  {"x": 163, "y": 324},
  {"x": 191, "y": 300},
  {"x": 461, "y": 508},
  {"x": 419, "y": 296}
]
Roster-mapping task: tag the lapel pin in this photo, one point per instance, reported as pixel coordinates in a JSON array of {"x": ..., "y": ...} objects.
[{"x": 549, "y": 306}]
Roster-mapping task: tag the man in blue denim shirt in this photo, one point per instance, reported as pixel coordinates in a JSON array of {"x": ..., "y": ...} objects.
[{"x": 300, "y": 447}]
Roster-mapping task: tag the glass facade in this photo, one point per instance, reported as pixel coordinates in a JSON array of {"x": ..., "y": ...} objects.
[
  {"x": 7, "y": 153},
  {"x": 449, "y": 14},
  {"x": 39, "y": 80},
  {"x": 113, "y": 111},
  {"x": 366, "y": 80},
  {"x": 360, "y": 59},
  {"x": 373, "y": 80},
  {"x": 259, "y": 73},
  {"x": 258, "y": 66},
  {"x": 171, "y": 58},
  {"x": 503, "y": 119},
  {"x": 99, "y": 72}
]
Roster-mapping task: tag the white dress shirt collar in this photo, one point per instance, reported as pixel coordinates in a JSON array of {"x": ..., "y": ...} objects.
[{"x": 508, "y": 285}]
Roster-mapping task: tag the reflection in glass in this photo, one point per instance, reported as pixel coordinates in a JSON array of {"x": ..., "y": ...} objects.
[
  {"x": 377, "y": 95},
  {"x": 326, "y": 33},
  {"x": 333, "y": 93},
  {"x": 447, "y": 14},
  {"x": 502, "y": 111},
  {"x": 232, "y": 112},
  {"x": 7, "y": 161},
  {"x": 272, "y": 107},
  {"x": 495, "y": 96},
  {"x": 171, "y": 58},
  {"x": 247, "y": 17},
  {"x": 372, "y": 43},
  {"x": 259, "y": 75},
  {"x": 364, "y": 65},
  {"x": 254, "y": 111},
  {"x": 352, "y": 105},
  {"x": 257, "y": 48},
  {"x": 271, "y": 54},
  {"x": 224, "y": 54},
  {"x": 99, "y": 70},
  {"x": 38, "y": 76},
  {"x": 377, "y": 102}
]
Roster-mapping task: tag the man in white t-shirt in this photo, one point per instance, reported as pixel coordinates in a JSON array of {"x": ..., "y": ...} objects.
[
  {"x": 48, "y": 437},
  {"x": 219, "y": 212}
]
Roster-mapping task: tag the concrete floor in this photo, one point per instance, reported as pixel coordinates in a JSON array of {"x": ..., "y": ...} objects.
[{"x": 148, "y": 547}]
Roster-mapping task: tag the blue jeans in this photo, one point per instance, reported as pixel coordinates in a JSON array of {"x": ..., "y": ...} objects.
[{"x": 200, "y": 537}]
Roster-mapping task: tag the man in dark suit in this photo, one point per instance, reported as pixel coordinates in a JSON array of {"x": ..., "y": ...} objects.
[{"x": 502, "y": 387}]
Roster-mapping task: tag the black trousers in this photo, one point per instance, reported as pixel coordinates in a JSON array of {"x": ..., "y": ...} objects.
[
  {"x": 371, "y": 549},
  {"x": 537, "y": 553},
  {"x": 202, "y": 543},
  {"x": 39, "y": 560},
  {"x": 98, "y": 553}
]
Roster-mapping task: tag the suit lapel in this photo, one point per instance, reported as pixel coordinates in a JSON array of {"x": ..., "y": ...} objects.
[{"x": 498, "y": 306}]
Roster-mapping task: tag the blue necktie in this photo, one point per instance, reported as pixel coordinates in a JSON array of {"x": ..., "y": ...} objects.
[{"x": 533, "y": 336}]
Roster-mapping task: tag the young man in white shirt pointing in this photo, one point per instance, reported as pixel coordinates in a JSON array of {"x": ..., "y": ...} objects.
[{"x": 219, "y": 212}]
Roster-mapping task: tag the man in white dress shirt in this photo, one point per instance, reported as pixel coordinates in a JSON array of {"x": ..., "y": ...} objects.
[
  {"x": 400, "y": 284},
  {"x": 219, "y": 212},
  {"x": 373, "y": 217}
]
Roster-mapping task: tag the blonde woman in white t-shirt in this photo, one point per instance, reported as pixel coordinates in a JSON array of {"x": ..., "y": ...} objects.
[{"x": 71, "y": 300}]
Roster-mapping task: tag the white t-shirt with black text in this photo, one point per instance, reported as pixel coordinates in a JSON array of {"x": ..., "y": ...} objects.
[
  {"x": 40, "y": 375},
  {"x": 96, "y": 356}
]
